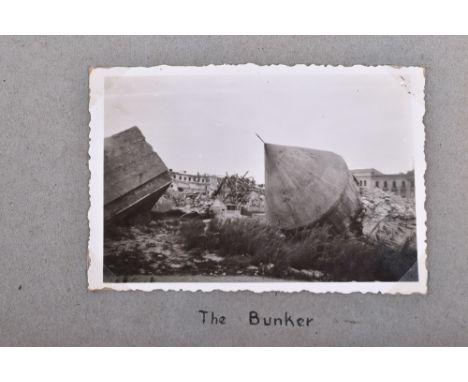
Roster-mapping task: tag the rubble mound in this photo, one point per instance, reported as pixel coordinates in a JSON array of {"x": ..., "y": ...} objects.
[
  {"x": 388, "y": 218},
  {"x": 186, "y": 202}
]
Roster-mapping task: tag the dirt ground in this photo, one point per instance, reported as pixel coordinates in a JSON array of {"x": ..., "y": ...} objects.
[
  {"x": 198, "y": 279},
  {"x": 149, "y": 251}
]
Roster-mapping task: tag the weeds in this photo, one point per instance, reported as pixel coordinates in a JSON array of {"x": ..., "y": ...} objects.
[
  {"x": 193, "y": 234},
  {"x": 342, "y": 257}
]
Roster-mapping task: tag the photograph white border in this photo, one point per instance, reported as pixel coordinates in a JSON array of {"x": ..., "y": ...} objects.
[{"x": 96, "y": 189}]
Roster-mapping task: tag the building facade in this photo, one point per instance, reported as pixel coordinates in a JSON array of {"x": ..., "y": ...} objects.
[
  {"x": 193, "y": 183},
  {"x": 400, "y": 184}
]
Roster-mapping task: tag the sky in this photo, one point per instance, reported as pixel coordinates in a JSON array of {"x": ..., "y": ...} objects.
[{"x": 205, "y": 119}]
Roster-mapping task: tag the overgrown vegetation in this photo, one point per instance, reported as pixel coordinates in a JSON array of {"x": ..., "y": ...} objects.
[
  {"x": 193, "y": 233},
  {"x": 341, "y": 257}
]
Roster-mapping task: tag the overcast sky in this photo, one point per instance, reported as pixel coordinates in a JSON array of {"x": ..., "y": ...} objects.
[{"x": 205, "y": 121}]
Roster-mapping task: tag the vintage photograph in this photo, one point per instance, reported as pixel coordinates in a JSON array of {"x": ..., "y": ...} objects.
[{"x": 265, "y": 178}]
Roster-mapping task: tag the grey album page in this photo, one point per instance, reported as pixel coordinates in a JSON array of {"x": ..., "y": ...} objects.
[{"x": 243, "y": 191}]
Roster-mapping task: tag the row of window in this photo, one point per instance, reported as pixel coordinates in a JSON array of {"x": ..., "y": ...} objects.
[
  {"x": 203, "y": 180},
  {"x": 385, "y": 184}
]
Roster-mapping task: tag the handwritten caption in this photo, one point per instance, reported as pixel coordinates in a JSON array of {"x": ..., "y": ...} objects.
[{"x": 256, "y": 319}]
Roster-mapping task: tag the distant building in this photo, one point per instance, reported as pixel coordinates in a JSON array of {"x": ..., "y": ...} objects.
[
  {"x": 401, "y": 184},
  {"x": 196, "y": 183}
]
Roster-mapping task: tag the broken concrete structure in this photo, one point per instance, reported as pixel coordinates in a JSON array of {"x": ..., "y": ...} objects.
[
  {"x": 135, "y": 176},
  {"x": 306, "y": 187}
]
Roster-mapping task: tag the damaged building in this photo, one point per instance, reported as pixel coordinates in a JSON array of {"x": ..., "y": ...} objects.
[
  {"x": 183, "y": 182},
  {"x": 401, "y": 184}
]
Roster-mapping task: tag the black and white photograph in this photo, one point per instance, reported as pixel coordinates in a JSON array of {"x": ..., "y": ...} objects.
[{"x": 262, "y": 178}]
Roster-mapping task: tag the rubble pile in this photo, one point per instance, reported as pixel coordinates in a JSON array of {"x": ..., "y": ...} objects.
[
  {"x": 185, "y": 202},
  {"x": 164, "y": 204},
  {"x": 388, "y": 218},
  {"x": 235, "y": 189},
  {"x": 256, "y": 202}
]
